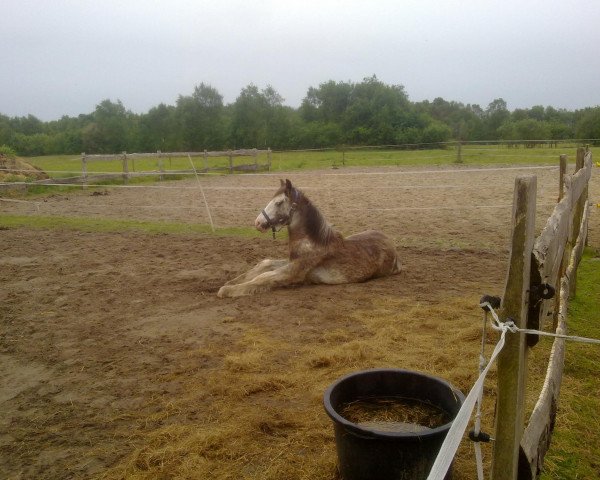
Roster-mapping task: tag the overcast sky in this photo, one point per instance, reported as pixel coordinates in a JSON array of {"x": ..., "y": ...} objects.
[{"x": 61, "y": 57}]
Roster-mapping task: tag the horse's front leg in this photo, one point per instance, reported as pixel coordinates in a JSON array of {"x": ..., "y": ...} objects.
[
  {"x": 266, "y": 265},
  {"x": 287, "y": 274}
]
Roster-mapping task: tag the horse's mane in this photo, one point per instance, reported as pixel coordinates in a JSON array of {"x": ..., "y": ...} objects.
[{"x": 316, "y": 227}]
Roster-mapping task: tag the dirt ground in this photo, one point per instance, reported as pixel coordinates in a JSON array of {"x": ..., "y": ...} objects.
[{"x": 114, "y": 347}]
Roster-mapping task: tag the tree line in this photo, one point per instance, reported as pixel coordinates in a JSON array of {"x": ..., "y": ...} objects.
[{"x": 369, "y": 112}]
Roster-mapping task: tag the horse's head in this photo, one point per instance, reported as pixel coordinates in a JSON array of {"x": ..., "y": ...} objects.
[{"x": 278, "y": 212}]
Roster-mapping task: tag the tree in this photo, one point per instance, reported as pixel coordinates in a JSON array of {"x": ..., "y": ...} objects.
[
  {"x": 464, "y": 121},
  {"x": 328, "y": 103},
  {"x": 200, "y": 119},
  {"x": 29, "y": 125},
  {"x": 495, "y": 115},
  {"x": 376, "y": 112},
  {"x": 537, "y": 113},
  {"x": 157, "y": 129},
  {"x": 254, "y": 117},
  {"x": 109, "y": 130},
  {"x": 369, "y": 112},
  {"x": 588, "y": 125},
  {"x": 436, "y": 132},
  {"x": 525, "y": 129},
  {"x": 31, "y": 145},
  {"x": 6, "y": 131}
]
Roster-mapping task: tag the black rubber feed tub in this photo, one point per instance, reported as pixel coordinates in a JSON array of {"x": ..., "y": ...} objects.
[{"x": 372, "y": 453}]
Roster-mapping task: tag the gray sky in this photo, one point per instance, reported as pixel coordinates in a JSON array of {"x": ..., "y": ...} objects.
[{"x": 63, "y": 57}]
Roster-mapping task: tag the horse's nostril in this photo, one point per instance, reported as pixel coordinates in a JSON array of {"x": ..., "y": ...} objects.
[{"x": 259, "y": 224}]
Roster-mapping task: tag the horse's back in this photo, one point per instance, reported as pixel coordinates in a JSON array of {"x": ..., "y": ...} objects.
[
  {"x": 361, "y": 256},
  {"x": 369, "y": 236},
  {"x": 378, "y": 246}
]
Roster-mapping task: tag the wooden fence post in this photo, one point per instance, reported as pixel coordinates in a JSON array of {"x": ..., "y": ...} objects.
[
  {"x": 561, "y": 176},
  {"x": 512, "y": 361},
  {"x": 269, "y": 159},
  {"x": 84, "y": 168},
  {"x": 161, "y": 169},
  {"x": 578, "y": 206},
  {"x": 586, "y": 191},
  {"x": 459, "y": 158},
  {"x": 125, "y": 168},
  {"x": 205, "y": 161}
]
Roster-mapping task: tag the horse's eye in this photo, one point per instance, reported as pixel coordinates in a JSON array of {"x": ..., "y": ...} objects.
[{"x": 278, "y": 204}]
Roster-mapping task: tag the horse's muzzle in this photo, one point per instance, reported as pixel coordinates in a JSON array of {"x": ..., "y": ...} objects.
[{"x": 261, "y": 226}]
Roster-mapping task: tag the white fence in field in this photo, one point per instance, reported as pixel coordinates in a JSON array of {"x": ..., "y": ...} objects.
[{"x": 128, "y": 159}]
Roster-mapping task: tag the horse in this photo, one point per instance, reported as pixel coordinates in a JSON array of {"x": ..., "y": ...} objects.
[{"x": 318, "y": 254}]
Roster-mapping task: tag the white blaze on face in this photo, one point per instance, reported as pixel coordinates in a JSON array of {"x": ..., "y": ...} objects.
[{"x": 273, "y": 209}]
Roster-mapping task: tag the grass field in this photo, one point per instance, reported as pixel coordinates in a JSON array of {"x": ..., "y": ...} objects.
[
  {"x": 61, "y": 166},
  {"x": 100, "y": 225}
]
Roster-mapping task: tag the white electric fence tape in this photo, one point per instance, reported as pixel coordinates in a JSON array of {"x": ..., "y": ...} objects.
[
  {"x": 459, "y": 425},
  {"x": 477, "y": 424}
]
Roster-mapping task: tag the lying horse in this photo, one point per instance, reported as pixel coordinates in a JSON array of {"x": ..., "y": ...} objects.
[{"x": 318, "y": 253}]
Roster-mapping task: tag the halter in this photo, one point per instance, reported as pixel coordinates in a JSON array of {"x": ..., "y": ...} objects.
[
  {"x": 269, "y": 222},
  {"x": 284, "y": 221}
]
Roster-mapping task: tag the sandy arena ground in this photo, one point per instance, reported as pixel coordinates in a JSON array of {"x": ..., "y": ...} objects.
[{"x": 102, "y": 333}]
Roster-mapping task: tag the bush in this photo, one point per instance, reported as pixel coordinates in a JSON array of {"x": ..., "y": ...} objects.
[{"x": 7, "y": 151}]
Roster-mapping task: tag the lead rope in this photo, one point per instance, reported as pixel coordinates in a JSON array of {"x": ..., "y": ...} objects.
[{"x": 269, "y": 222}]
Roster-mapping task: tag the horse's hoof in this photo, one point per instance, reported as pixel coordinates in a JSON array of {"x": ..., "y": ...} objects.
[
  {"x": 222, "y": 293},
  {"x": 227, "y": 291}
]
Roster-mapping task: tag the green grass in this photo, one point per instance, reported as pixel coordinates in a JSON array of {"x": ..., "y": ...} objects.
[
  {"x": 575, "y": 444},
  {"x": 470, "y": 155},
  {"x": 60, "y": 166},
  {"x": 108, "y": 225},
  {"x": 63, "y": 165}
]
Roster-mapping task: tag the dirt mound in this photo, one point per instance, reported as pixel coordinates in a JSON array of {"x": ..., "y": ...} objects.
[{"x": 17, "y": 170}]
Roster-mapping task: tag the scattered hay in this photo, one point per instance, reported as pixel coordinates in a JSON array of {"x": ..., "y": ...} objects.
[
  {"x": 259, "y": 412},
  {"x": 395, "y": 414}
]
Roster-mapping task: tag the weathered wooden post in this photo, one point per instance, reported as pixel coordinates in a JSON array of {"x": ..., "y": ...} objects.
[
  {"x": 205, "y": 161},
  {"x": 84, "y": 169},
  {"x": 255, "y": 155},
  {"x": 269, "y": 159},
  {"x": 229, "y": 153},
  {"x": 459, "y": 153},
  {"x": 578, "y": 206},
  {"x": 561, "y": 176},
  {"x": 160, "y": 166},
  {"x": 125, "y": 168},
  {"x": 586, "y": 191},
  {"x": 512, "y": 361}
]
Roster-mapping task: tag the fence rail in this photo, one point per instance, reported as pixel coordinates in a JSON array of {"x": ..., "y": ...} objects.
[{"x": 126, "y": 158}]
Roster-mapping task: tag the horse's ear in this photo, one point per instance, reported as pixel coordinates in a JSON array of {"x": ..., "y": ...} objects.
[
  {"x": 282, "y": 182},
  {"x": 288, "y": 187}
]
